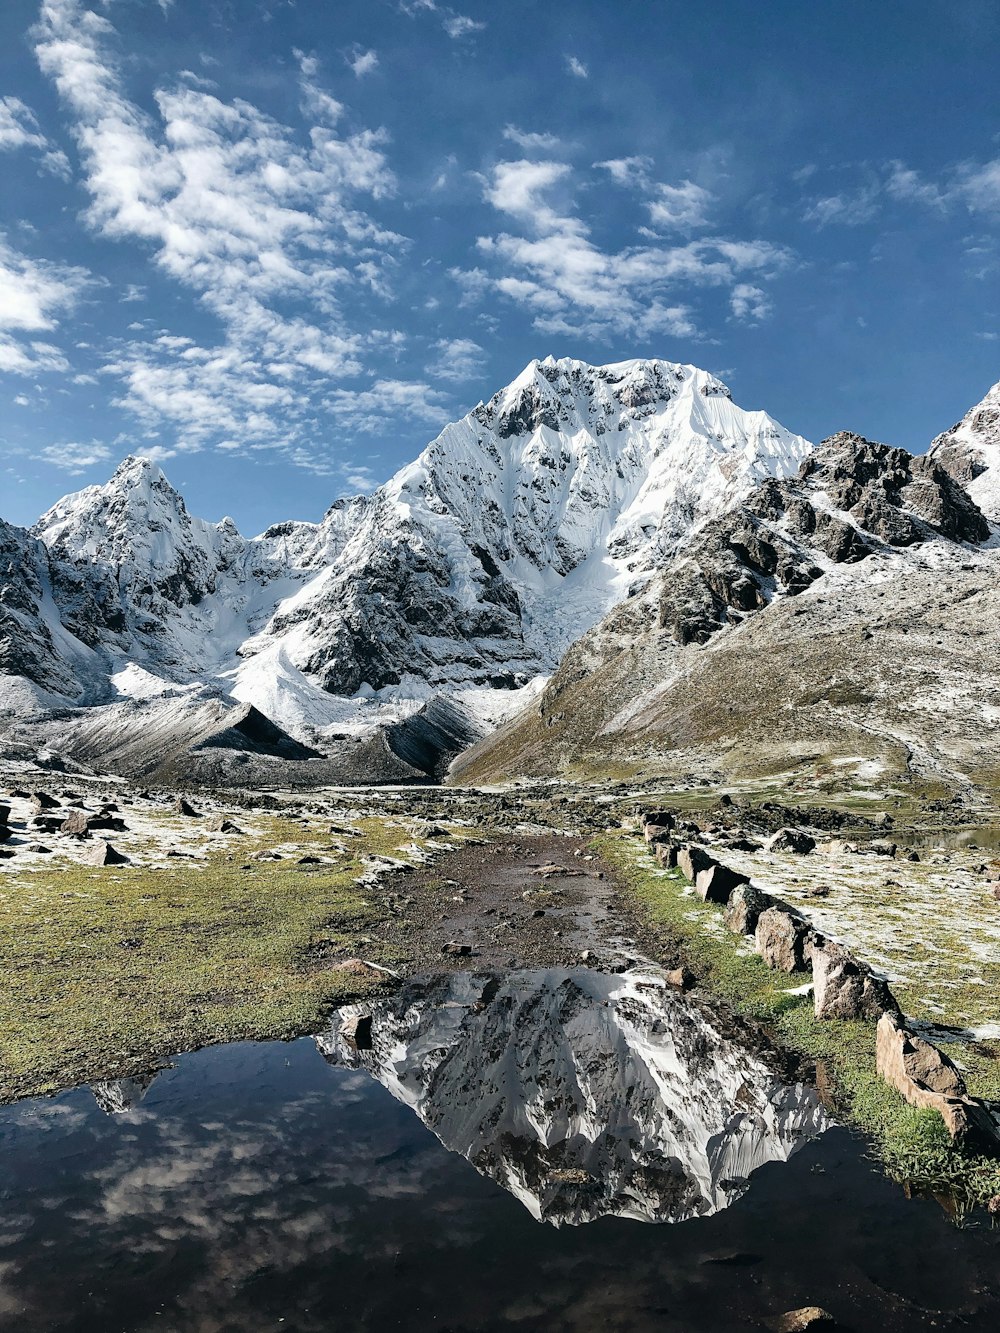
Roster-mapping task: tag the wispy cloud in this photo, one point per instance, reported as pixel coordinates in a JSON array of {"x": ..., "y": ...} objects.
[
  {"x": 19, "y": 128},
  {"x": 532, "y": 141},
  {"x": 455, "y": 25},
  {"x": 457, "y": 360},
  {"x": 76, "y": 458},
  {"x": 569, "y": 284},
  {"x": 577, "y": 68}
]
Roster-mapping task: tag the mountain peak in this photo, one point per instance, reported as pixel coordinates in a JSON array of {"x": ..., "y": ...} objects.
[{"x": 970, "y": 451}]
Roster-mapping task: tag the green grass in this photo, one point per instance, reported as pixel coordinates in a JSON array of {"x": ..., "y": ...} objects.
[
  {"x": 913, "y": 1145},
  {"x": 106, "y": 970}
]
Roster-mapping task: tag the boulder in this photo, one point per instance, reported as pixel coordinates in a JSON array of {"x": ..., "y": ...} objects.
[
  {"x": 780, "y": 938},
  {"x": 453, "y": 947},
  {"x": 666, "y": 854},
  {"x": 845, "y": 988},
  {"x": 926, "y": 1078},
  {"x": 717, "y": 882},
  {"x": 692, "y": 859},
  {"x": 47, "y": 823},
  {"x": 790, "y": 840},
  {"x": 111, "y": 822},
  {"x": 6, "y": 853},
  {"x": 103, "y": 854},
  {"x": 184, "y": 807},
  {"x": 77, "y": 824},
  {"x": 4, "y": 815},
  {"x": 746, "y": 902},
  {"x": 41, "y": 800}
]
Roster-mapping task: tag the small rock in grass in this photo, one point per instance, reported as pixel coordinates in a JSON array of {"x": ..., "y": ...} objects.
[
  {"x": 454, "y": 947},
  {"x": 222, "y": 825},
  {"x": 103, "y": 854},
  {"x": 184, "y": 807}
]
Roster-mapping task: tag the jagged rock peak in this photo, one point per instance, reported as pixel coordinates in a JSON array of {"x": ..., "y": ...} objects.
[{"x": 970, "y": 452}]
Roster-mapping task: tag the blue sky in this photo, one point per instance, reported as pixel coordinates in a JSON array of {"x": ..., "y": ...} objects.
[{"x": 278, "y": 243}]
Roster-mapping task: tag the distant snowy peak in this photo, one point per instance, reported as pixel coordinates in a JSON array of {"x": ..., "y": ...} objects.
[
  {"x": 138, "y": 524},
  {"x": 970, "y": 451}
]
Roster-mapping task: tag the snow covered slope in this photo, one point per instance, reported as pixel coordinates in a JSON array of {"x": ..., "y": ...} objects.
[
  {"x": 970, "y": 451},
  {"x": 468, "y": 574}
]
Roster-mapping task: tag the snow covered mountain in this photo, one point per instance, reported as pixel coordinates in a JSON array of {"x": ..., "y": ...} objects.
[
  {"x": 468, "y": 574},
  {"x": 583, "y": 1094}
]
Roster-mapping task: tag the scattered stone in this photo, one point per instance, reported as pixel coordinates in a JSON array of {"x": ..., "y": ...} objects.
[
  {"x": 103, "y": 854},
  {"x": 76, "y": 825},
  {"x": 41, "y": 800},
  {"x": 780, "y": 938},
  {"x": 845, "y": 988},
  {"x": 790, "y": 840},
  {"x": 547, "y": 872},
  {"x": 744, "y": 908},
  {"x": 925, "y": 1077},
  {"x": 38, "y": 848},
  {"x": 308, "y": 861},
  {"x": 266, "y": 855},
  {"x": 184, "y": 807},
  {"x": 881, "y": 847},
  {"x": 799, "y": 1321},
  {"x": 6, "y": 853},
  {"x": 222, "y": 825},
  {"x": 680, "y": 978},
  {"x": 913, "y": 856},
  {"x": 4, "y": 815},
  {"x": 453, "y": 947},
  {"x": 717, "y": 882},
  {"x": 589, "y": 957}
]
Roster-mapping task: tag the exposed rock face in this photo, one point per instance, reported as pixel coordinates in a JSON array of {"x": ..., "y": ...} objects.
[
  {"x": 925, "y": 1077},
  {"x": 845, "y": 988},
  {"x": 103, "y": 854},
  {"x": 790, "y": 840},
  {"x": 781, "y": 938}
]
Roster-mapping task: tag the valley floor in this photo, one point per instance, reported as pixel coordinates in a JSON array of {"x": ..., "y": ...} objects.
[{"x": 212, "y": 932}]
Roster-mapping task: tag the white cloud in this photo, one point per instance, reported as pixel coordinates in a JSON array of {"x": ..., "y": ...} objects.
[
  {"x": 19, "y": 128},
  {"x": 458, "y": 359},
  {"x": 34, "y": 296},
  {"x": 460, "y": 25},
  {"x": 556, "y": 271},
  {"x": 76, "y": 458},
  {"x": 627, "y": 170},
  {"x": 532, "y": 142},
  {"x": 682, "y": 207},
  {"x": 21, "y": 400},
  {"x": 266, "y": 226},
  {"x": 577, "y": 68},
  {"x": 363, "y": 62},
  {"x": 750, "y": 303}
]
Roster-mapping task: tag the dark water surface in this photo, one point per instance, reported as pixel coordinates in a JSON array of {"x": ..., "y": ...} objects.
[{"x": 317, "y": 1186}]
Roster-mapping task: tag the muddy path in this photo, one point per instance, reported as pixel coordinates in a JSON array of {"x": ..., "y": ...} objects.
[{"x": 517, "y": 901}]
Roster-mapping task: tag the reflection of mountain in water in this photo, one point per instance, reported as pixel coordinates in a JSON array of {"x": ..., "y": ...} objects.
[
  {"x": 119, "y": 1095},
  {"x": 583, "y": 1094}
]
